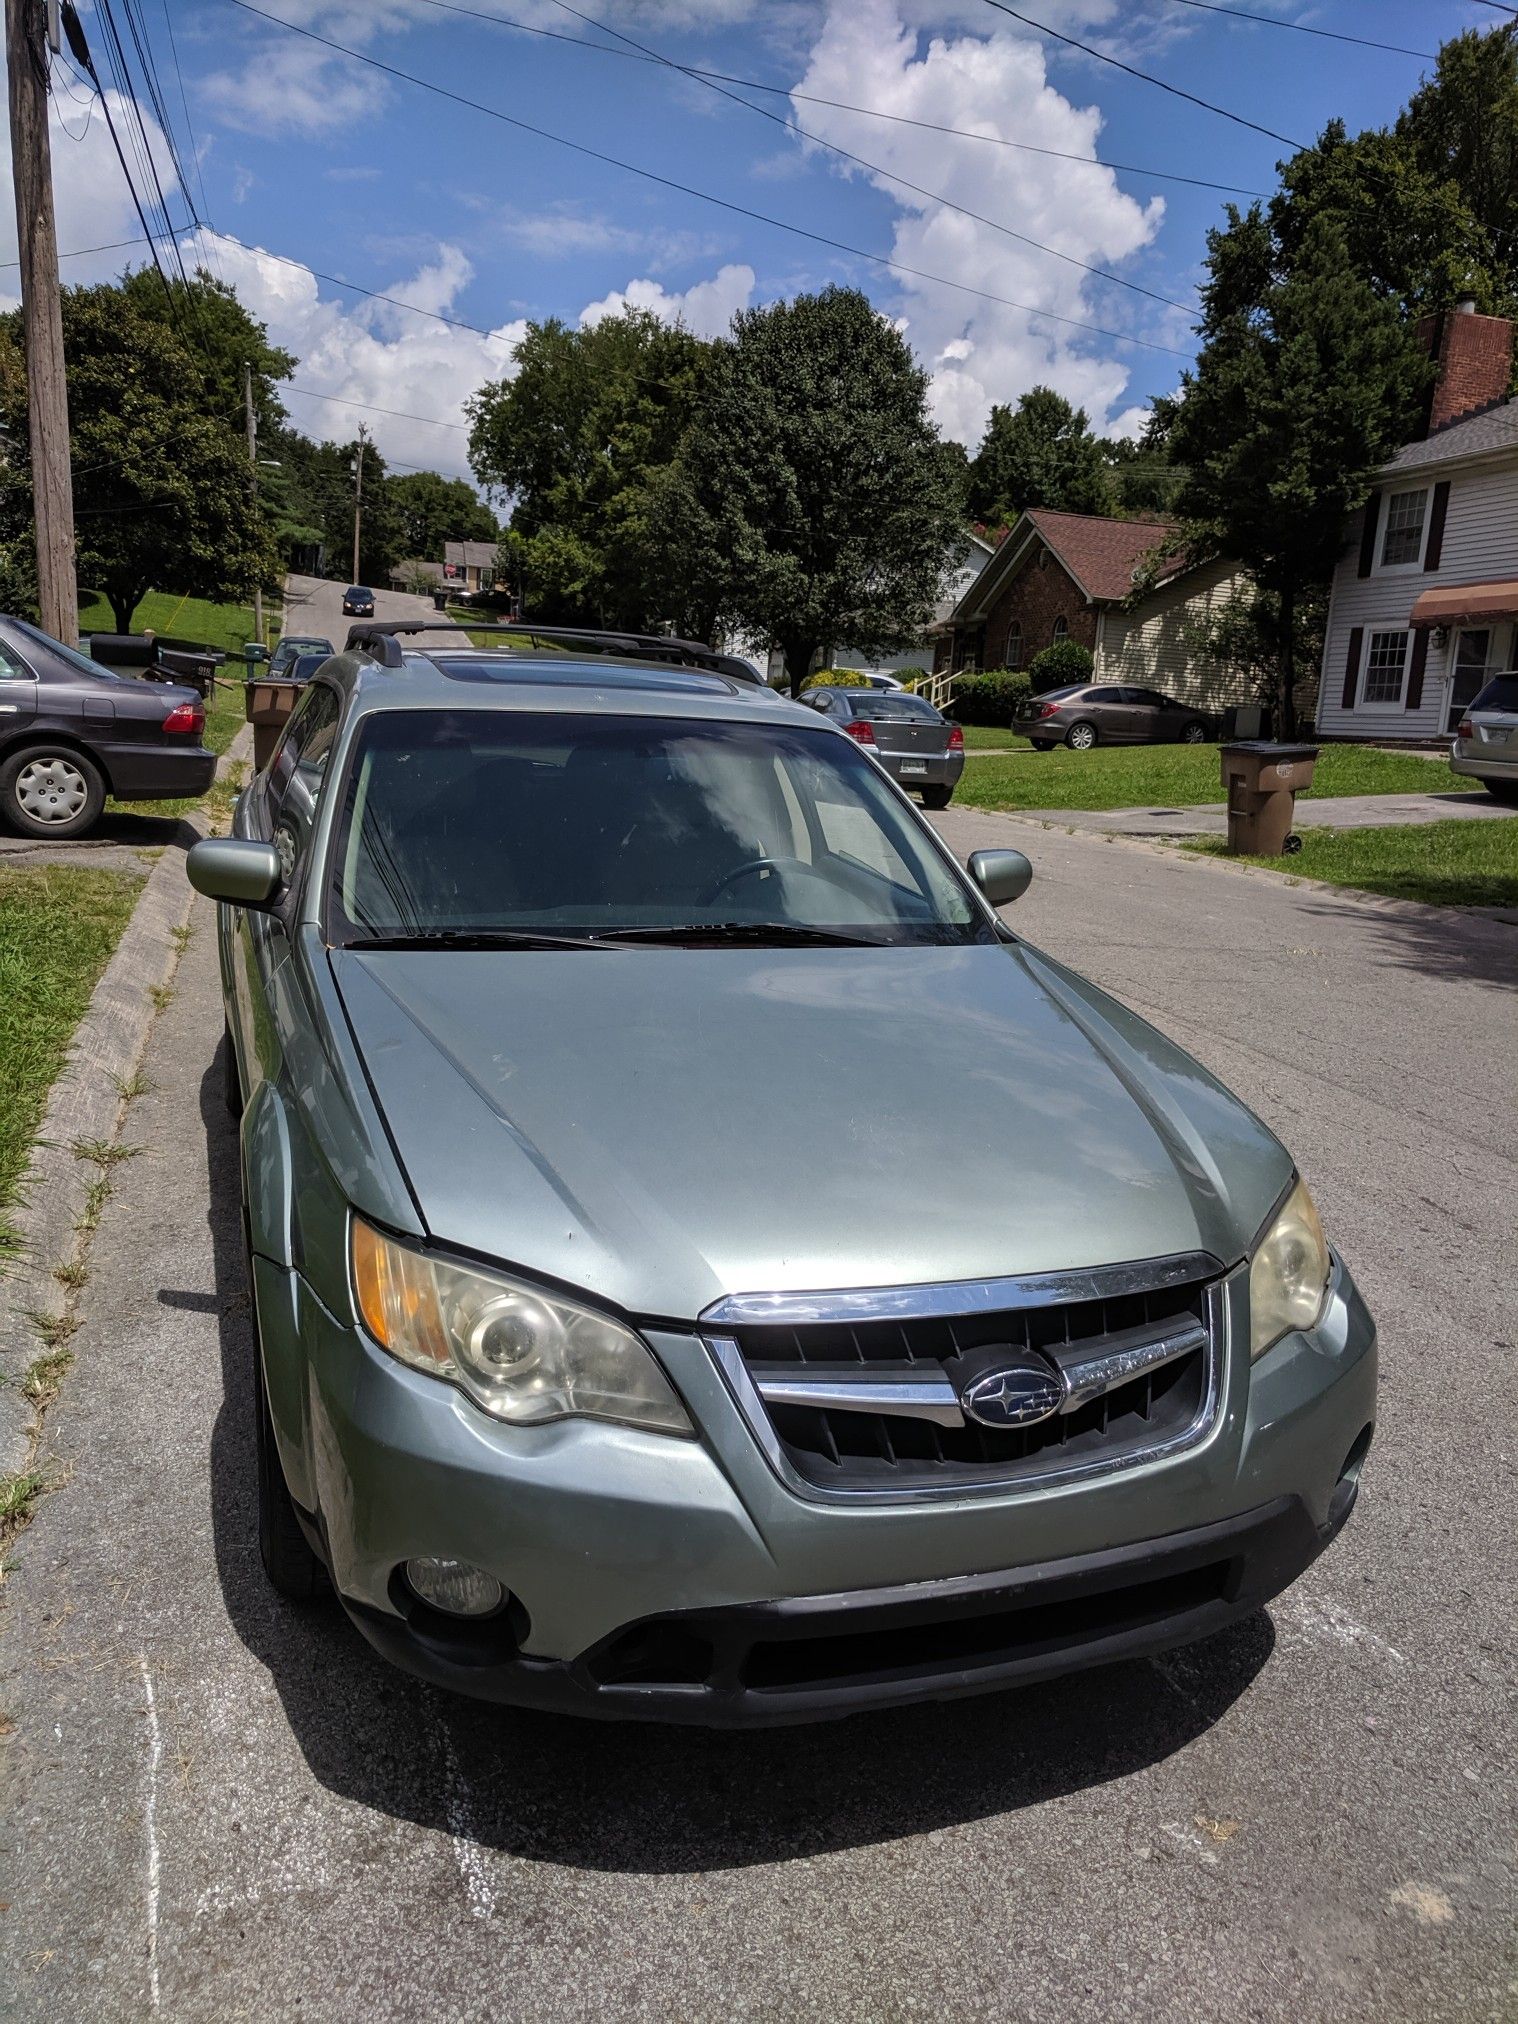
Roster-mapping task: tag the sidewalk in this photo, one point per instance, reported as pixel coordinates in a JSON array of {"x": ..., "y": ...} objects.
[{"x": 1334, "y": 811}]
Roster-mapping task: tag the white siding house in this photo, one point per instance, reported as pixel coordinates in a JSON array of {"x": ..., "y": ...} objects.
[
  {"x": 1425, "y": 599},
  {"x": 1153, "y": 642}
]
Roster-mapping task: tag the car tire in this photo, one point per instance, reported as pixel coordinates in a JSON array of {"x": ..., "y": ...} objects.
[
  {"x": 937, "y": 797},
  {"x": 1194, "y": 734},
  {"x": 1081, "y": 736},
  {"x": 51, "y": 791},
  {"x": 293, "y": 1569},
  {"x": 1501, "y": 790},
  {"x": 1041, "y": 744}
]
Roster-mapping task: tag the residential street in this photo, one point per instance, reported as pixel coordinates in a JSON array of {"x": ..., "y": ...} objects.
[
  {"x": 219, "y": 1807},
  {"x": 314, "y": 605}
]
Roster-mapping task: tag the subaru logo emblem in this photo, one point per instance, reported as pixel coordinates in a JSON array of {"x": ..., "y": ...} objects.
[{"x": 1014, "y": 1395}]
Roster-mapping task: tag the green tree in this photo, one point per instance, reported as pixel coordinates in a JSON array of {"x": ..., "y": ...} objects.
[
  {"x": 222, "y": 337},
  {"x": 1040, "y": 453},
  {"x": 814, "y": 501},
  {"x": 1142, "y": 482},
  {"x": 1461, "y": 127},
  {"x": 1305, "y": 383},
  {"x": 431, "y": 510},
  {"x": 318, "y": 495},
  {"x": 161, "y": 495},
  {"x": 578, "y": 440}
]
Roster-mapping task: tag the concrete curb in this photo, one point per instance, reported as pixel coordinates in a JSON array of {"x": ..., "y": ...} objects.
[{"x": 86, "y": 1106}]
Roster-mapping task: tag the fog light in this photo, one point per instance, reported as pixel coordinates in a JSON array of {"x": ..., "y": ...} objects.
[{"x": 454, "y": 1586}]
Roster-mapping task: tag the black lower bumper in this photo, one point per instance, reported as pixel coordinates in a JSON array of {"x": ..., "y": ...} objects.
[
  {"x": 812, "y": 1657},
  {"x": 158, "y": 773}
]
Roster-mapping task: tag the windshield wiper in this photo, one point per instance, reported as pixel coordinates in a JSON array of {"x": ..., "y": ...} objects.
[
  {"x": 482, "y": 938},
  {"x": 759, "y": 932}
]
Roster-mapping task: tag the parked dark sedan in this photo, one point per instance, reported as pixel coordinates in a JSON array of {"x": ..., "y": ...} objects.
[
  {"x": 358, "y": 602},
  {"x": 915, "y": 744},
  {"x": 1103, "y": 713},
  {"x": 72, "y": 732}
]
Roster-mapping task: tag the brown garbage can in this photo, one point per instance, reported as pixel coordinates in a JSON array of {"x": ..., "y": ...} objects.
[
  {"x": 269, "y": 699},
  {"x": 1262, "y": 781}
]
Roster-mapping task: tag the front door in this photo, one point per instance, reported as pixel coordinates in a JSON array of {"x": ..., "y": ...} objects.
[{"x": 1476, "y": 658}]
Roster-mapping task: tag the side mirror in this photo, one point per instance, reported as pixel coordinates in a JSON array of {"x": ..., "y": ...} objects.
[
  {"x": 1002, "y": 875},
  {"x": 235, "y": 869}
]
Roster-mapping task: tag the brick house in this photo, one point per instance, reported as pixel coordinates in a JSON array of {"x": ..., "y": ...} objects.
[
  {"x": 1072, "y": 576},
  {"x": 1424, "y": 605}
]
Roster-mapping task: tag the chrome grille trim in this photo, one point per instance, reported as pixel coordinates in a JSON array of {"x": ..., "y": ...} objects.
[
  {"x": 961, "y": 1296},
  {"x": 735, "y": 1371}
]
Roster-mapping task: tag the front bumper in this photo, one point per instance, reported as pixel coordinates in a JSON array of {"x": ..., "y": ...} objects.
[{"x": 684, "y": 1580}]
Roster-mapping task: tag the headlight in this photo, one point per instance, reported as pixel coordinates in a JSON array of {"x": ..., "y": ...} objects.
[
  {"x": 522, "y": 1354},
  {"x": 1288, "y": 1274}
]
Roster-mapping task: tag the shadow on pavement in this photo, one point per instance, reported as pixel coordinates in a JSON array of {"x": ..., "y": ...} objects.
[
  {"x": 625, "y": 1797},
  {"x": 1452, "y": 945}
]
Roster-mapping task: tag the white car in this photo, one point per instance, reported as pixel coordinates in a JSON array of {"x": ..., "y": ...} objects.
[{"x": 1485, "y": 746}]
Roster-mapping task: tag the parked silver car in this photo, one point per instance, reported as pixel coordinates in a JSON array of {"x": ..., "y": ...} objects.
[
  {"x": 704, "y": 1265},
  {"x": 915, "y": 743},
  {"x": 1485, "y": 745}
]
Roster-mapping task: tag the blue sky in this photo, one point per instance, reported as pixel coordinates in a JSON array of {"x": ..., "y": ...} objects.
[{"x": 315, "y": 156}]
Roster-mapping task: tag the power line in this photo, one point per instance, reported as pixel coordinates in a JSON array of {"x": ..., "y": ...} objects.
[
  {"x": 399, "y": 414},
  {"x": 703, "y": 196},
  {"x": 874, "y": 168},
  {"x": 79, "y": 252},
  {"x": 1146, "y": 76},
  {"x": 1301, "y": 28},
  {"x": 843, "y": 105}
]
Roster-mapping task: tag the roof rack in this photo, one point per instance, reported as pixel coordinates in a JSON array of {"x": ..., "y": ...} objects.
[{"x": 378, "y": 638}]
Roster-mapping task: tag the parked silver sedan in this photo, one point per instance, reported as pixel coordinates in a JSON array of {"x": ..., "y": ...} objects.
[
  {"x": 916, "y": 744},
  {"x": 1485, "y": 746}
]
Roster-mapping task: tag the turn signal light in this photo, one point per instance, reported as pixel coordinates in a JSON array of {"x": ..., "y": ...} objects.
[
  {"x": 1048, "y": 709},
  {"x": 862, "y": 732},
  {"x": 185, "y": 717},
  {"x": 957, "y": 739}
]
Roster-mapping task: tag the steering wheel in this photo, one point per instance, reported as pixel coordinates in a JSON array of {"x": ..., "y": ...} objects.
[{"x": 752, "y": 869}]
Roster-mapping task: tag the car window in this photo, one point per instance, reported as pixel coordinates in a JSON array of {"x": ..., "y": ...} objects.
[
  {"x": 1500, "y": 693},
  {"x": 12, "y": 667},
  {"x": 296, "y": 772},
  {"x": 573, "y": 823},
  {"x": 1055, "y": 695},
  {"x": 893, "y": 706},
  {"x": 1106, "y": 696},
  {"x": 70, "y": 656}
]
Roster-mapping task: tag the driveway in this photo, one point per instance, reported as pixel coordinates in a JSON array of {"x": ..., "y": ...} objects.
[{"x": 221, "y": 1807}]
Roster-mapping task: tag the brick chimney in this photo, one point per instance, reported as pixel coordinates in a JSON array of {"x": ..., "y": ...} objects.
[{"x": 1475, "y": 361}]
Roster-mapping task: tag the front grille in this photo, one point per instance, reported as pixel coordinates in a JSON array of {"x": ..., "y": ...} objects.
[{"x": 838, "y": 1448}]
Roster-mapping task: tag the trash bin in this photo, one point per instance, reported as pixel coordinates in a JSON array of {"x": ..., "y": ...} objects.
[
  {"x": 269, "y": 699},
  {"x": 1262, "y": 781}
]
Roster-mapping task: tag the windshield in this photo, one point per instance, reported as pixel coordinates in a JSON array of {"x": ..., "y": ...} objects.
[
  {"x": 1500, "y": 693},
  {"x": 470, "y": 821},
  {"x": 893, "y": 706}
]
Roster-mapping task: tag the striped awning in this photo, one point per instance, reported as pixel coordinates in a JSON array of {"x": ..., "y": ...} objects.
[{"x": 1467, "y": 603}]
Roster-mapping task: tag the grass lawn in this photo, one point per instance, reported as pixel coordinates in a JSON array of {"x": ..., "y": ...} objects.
[
  {"x": 1447, "y": 864},
  {"x": 58, "y": 927},
  {"x": 990, "y": 738},
  {"x": 228, "y": 626},
  {"x": 1178, "y": 776}
]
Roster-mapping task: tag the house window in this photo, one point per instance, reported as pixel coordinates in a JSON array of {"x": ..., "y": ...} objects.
[
  {"x": 1403, "y": 541},
  {"x": 1385, "y": 665},
  {"x": 1061, "y": 627},
  {"x": 1014, "y": 645}
]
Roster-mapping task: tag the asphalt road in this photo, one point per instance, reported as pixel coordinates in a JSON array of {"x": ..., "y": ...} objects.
[
  {"x": 315, "y": 606},
  {"x": 216, "y": 1807}
]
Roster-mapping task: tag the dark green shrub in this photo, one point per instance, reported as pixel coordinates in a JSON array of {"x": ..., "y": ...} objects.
[
  {"x": 1060, "y": 666},
  {"x": 995, "y": 697}
]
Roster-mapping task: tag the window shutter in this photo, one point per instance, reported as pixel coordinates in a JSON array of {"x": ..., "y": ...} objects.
[
  {"x": 1352, "y": 665},
  {"x": 1368, "y": 533},
  {"x": 1437, "y": 511},
  {"x": 1415, "y": 672}
]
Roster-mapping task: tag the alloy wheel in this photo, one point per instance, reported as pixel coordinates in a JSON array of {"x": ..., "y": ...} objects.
[
  {"x": 1081, "y": 738},
  {"x": 51, "y": 790},
  {"x": 1193, "y": 735}
]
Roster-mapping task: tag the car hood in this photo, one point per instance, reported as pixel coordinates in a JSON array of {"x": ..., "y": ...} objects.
[{"x": 664, "y": 1126}]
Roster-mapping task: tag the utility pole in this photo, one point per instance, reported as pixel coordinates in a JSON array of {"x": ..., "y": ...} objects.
[
  {"x": 42, "y": 319},
  {"x": 247, "y": 401},
  {"x": 358, "y": 494}
]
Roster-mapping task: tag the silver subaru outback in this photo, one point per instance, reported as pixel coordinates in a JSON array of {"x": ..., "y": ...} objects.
[{"x": 628, "y": 1343}]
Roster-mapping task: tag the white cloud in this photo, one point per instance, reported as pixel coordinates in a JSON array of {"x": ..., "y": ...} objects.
[
  {"x": 706, "y": 308},
  {"x": 980, "y": 352},
  {"x": 291, "y": 87}
]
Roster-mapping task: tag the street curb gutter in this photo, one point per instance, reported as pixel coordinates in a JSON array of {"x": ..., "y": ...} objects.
[{"x": 86, "y": 1108}]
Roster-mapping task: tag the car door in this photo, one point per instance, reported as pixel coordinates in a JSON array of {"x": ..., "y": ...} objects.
[
  {"x": 280, "y": 808},
  {"x": 1143, "y": 719},
  {"x": 1103, "y": 706},
  {"x": 18, "y": 694}
]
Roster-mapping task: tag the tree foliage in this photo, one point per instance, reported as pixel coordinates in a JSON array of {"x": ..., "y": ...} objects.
[
  {"x": 1040, "y": 453},
  {"x": 161, "y": 495},
  {"x": 222, "y": 337},
  {"x": 1306, "y": 381},
  {"x": 813, "y": 501},
  {"x": 431, "y": 510},
  {"x": 580, "y": 439}
]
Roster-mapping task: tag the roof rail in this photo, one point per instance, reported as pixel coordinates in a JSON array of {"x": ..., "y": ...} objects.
[{"x": 378, "y": 638}]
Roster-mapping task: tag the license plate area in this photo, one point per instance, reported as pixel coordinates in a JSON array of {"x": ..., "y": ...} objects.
[{"x": 914, "y": 765}]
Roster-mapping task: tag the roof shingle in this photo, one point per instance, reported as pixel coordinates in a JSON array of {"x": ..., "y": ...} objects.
[{"x": 1103, "y": 554}]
